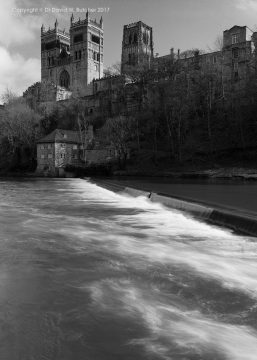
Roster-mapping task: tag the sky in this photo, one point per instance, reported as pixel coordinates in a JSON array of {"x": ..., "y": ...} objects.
[{"x": 183, "y": 24}]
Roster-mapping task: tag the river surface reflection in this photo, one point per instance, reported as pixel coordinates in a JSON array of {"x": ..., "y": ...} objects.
[{"x": 89, "y": 274}]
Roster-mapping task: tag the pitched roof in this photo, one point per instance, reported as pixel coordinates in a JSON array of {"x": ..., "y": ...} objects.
[{"x": 61, "y": 136}]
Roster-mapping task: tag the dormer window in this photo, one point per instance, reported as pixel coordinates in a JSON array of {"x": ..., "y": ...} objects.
[{"x": 235, "y": 38}]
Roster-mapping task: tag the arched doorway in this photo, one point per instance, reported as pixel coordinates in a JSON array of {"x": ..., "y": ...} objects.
[{"x": 64, "y": 79}]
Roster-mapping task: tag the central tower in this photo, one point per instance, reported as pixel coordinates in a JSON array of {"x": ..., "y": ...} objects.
[
  {"x": 86, "y": 51},
  {"x": 137, "y": 47}
]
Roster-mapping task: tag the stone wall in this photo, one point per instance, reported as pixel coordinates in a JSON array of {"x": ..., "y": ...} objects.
[
  {"x": 53, "y": 156},
  {"x": 45, "y": 158},
  {"x": 99, "y": 156}
]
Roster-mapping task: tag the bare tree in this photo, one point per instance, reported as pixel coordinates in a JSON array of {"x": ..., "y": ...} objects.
[
  {"x": 8, "y": 96},
  {"x": 217, "y": 45},
  {"x": 120, "y": 131},
  {"x": 114, "y": 69}
]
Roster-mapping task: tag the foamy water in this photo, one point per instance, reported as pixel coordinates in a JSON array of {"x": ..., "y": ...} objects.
[{"x": 87, "y": 273}]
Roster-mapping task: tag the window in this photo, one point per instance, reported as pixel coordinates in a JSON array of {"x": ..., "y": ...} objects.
[
  {"x": 49, "y": 146},
  {"x": 78, "y": 38},
  {"x": 64, "y": 79},
  {"x": 50, "y": 156},
  {"x": 242, "y": 53},
  {"x": 42, "y": 147},
  {"x": 98, "y": 57},
  {"x": 235, "y": 66},
  {"x": 214, "y": 60},
  {"x": 42, "y": 156},
  {"x": 75, "y": 147},
  {"x": 235, "y": 38},
  {"x": 145, "y": 38},
  {"x": 95, "y": 39},
  {"x": 235, "y": 53}
]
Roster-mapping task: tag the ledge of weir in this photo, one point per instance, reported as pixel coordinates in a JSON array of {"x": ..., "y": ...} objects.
[{"x": 235, "y": 219}]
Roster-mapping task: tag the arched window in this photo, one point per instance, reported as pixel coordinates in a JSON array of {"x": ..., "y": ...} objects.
[{"x": 64, "y": 79}]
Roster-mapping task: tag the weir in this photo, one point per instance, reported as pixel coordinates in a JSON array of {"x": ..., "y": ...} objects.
[{"x": 221, "y": 216}]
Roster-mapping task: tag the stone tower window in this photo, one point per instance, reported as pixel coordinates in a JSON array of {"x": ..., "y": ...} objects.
[
  {"x": 146, "y": 38},
  {"x": 65, "y": 79},
  {"x": 235, "y": 38},
  {"x": 78, "y": 38},
  {"x": 95, "y": 39}
]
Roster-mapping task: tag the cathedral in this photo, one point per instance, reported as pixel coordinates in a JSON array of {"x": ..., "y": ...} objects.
[{"x": 73, "y": 62}]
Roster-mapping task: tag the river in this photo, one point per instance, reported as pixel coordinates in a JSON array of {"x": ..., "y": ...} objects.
[{"x": 89, "y": 274}]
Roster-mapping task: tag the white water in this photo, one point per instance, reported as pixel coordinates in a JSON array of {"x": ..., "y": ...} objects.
[
  {"x": 190, "y": 287},
  {"x": 173, "y": 238}
]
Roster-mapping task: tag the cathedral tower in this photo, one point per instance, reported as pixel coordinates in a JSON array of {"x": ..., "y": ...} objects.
[
  {"x": 137, "y": 47},
  {"x": 55, "y": 47},
  {"x": 86, "y": 51}
]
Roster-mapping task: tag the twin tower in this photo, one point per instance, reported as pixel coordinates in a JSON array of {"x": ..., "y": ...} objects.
[{"x": 72, "y": 60}]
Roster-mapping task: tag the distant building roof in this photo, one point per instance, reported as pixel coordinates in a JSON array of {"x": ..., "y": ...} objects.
[{"x": 61, "y": 136}]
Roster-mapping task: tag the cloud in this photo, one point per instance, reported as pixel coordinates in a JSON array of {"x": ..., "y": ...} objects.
[
  {"x": 16, "y": 72},
  {"x": 246, "y": 5},
  {"x": 20, "y": 25},
  {"x": 16, "y": 28}
]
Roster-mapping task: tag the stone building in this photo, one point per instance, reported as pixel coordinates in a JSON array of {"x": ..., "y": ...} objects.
[
  {"x": 65, "y": 147},
  {"x": 73, "y": 64},
  {"x": 58, "y": 149},
  {"x": 137, "y": 47},
  {"x": 235, "y": 63}
]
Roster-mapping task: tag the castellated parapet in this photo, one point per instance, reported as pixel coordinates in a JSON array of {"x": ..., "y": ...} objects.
[{"x": 72, "y": 60}]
